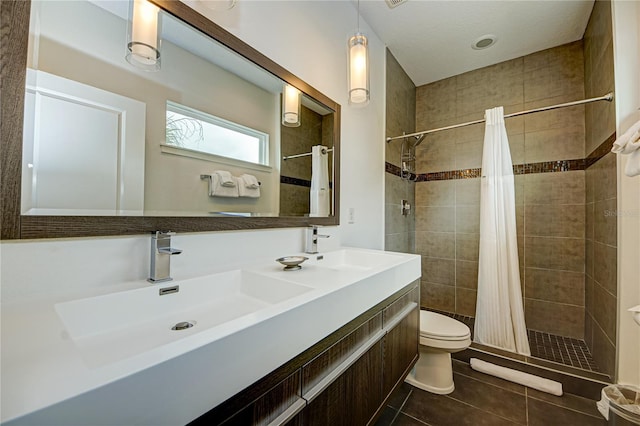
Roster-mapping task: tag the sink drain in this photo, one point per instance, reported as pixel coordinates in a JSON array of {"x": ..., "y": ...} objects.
[{"x": 182, "y": 325}]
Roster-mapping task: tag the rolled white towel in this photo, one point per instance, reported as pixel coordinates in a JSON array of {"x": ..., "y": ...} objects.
[
  {"x": 629, "y": 142},
  {"x": 250, "y": 181},
  {"x": 225, "y": 178}
]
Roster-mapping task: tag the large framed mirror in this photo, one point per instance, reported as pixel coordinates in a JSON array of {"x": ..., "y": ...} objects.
[{"x": 93, "y": 144}]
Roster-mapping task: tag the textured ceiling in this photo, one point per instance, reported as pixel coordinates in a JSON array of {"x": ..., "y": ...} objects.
[{"x": 432, "y": 39}]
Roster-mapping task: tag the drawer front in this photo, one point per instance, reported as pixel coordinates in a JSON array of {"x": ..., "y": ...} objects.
[
  {"x": 397, "y": 309},
  {"x": 325, "y": 364},
  {"x": 278, "y": 405}
]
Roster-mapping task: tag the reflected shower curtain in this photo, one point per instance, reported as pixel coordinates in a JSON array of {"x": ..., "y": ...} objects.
[
  {"x": 319, "y": 193},
  {"x": 499, "y": 313}
]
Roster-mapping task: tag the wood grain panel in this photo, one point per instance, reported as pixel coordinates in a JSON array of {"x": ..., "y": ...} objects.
[
  {"x": 413, "y": 295},
  {"x": 318, "y": 368},
  {"x": 14, "y": 31},
  {"x": 354, "y": 398},
  {"x": 400, "y": 349}
]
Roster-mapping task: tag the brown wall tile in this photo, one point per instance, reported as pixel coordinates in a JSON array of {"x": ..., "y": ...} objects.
[
  {"x": 467, "y": 246},
  {"x": 468, "y": 219},
  {"x": 437, "y": 296},
  {"x": 435, "y": 219},
  {"x": 467, "y": 192},
  {"x": 467, "y": 274},
  {"x": 436, "y": 244},
  {"x": 438, "y": 271},
  {"x": 436, "y": 193},
  {"x": 554, "y": 188},
  {"x": 605, "y": 227},
  {"x": 466, "y": 301},
  {"x": 555, "y": 286},
  {"x": 605, "y": 270},
  {"x": 552, "y": 220},
  {"x": 565, "y": 254},
  {"x": 555, "y": 318},
  {"x": 605, "y": 311},
  {"x": 603, "y": 351}
]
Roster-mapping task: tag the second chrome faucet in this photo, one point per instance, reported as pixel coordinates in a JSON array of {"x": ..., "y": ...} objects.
[{"x": 312, "y": 239}]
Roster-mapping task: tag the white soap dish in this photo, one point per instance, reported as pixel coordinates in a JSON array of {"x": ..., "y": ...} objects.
[{"x": 292, "y": 263}]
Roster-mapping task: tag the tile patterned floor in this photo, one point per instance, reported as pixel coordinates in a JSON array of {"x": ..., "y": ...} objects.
[
  {"x": 550, "y": 347},
  {"x": 480, "y": 399}
]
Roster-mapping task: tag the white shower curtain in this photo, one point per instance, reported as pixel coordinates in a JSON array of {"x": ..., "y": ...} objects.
[
  {"x": 319, "y": 194},
  {"x": 499, "y": 313}
]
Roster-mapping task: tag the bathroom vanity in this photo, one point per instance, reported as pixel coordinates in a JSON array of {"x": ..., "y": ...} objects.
[{"x": 325, "y": 344}]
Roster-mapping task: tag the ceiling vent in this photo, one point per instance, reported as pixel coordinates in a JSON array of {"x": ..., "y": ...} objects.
[{"x": 394, "y": 3}]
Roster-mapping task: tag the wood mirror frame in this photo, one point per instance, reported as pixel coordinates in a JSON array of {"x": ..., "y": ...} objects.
[{"x": 14, "y": 31}]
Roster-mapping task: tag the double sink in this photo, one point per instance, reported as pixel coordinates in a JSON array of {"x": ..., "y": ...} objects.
[{"x": 117, "y": 326}]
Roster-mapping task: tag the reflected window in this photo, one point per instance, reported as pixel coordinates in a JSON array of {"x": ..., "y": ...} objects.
[{"x": 195, "y": 130}]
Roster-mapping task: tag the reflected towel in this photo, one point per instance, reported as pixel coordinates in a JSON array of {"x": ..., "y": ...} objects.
[
  {"x": 245, "y": 190},
  {"x": 319, "y": 194},
  {"x": 629, "y": 144},
  {"x": 225, "y": 178},
  {"x": 216, "y": 189},
  {"x": 249, "y": 181}
]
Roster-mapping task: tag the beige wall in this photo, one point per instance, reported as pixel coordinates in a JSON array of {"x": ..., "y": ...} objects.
[
  {"x": 550, "y": 207},
  {"x": 601, "y": 194},
  {"x": 400, "y": 117}
]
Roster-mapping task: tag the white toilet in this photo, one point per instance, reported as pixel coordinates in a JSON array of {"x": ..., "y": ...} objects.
[{"x": 440, "y": 336}]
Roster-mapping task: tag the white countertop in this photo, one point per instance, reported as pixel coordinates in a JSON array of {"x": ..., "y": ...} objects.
[{"x": 49, "y": 377}]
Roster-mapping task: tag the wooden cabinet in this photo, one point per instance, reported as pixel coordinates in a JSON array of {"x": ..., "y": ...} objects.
[
  {"x": 345, "y": 379},
  {"x": 402, "y": 322}
]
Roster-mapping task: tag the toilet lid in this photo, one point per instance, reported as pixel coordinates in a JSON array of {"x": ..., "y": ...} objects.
[{"x": 444, "y": 327}]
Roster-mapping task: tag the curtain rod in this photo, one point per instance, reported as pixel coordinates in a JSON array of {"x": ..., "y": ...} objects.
[
  {"x": 324, "y": 151},
  {"x": 608, "y": 97}
]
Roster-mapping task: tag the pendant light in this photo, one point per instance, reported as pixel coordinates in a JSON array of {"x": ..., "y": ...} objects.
[
  {"x": 358, "y": 67},
  {"x": 290, "y": 106},
  {"x": 143, "y": 35}
]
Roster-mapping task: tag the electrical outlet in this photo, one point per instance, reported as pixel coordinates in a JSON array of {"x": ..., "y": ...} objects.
[{"x": 352, "y": 215}]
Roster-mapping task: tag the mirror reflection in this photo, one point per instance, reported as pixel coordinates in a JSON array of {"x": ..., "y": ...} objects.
[{"x": 119, "y": 122}]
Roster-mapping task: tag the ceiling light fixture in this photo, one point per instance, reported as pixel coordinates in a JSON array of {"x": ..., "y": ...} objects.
[
  {"x": 484, "y": 42},
  {"x": 290, "y": 106},
  {"x": 143, "y": 35},
  {"x": 358, "y": 67}
]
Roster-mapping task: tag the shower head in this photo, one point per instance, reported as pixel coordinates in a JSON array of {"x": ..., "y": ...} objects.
[{"x": 419, "y": 139}]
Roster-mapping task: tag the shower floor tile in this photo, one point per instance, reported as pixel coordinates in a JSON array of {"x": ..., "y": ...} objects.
[{"x": 549, "y": 347}]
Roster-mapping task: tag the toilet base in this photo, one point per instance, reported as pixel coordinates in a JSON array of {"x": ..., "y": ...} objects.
[
  {"x": 411, "y": 379},
  {"x": 432, "y": 372}
]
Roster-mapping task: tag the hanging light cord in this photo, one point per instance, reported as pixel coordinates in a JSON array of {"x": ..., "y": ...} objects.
[{"x": 358, "y": 17}]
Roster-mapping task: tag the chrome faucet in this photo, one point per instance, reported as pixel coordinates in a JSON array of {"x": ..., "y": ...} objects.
[
  {"x": 312, "y": 239},
  {"x": 161, "y": 252}
]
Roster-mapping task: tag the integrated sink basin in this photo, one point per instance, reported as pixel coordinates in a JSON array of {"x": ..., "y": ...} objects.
[
  {"x": 119, "y": 325},
  {"x": 354, "y": 259}
]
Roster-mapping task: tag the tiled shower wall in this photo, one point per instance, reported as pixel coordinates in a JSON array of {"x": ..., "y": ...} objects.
[
  {"x": 400, "y": 117},
  {"x": 601, "y": 219},
  {"x": 550, "y": 206}
]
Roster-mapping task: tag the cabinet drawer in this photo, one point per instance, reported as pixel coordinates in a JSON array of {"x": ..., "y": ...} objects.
[
  {"x": 335, "y": 357},
  {"x": 398, "y": 309},
  {"x": 276, "y": 406}
]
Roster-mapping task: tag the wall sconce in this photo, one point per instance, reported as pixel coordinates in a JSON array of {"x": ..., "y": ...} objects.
[
  {"x": 358, "y": 67},
  {"x": 143, "y": 35},
  {"x": 290, "y": 106}
]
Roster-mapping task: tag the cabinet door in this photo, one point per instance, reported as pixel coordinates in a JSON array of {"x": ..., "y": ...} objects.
[
  {"x": 402, "y": 322},
  {"x": 353, "y": 398}
]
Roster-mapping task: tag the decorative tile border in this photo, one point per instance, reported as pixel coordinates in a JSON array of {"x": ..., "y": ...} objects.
[
  {"x": 295, "y": 181},
  {"x": 518, "y": 169},
  {"x": 299, "y": 182}
]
